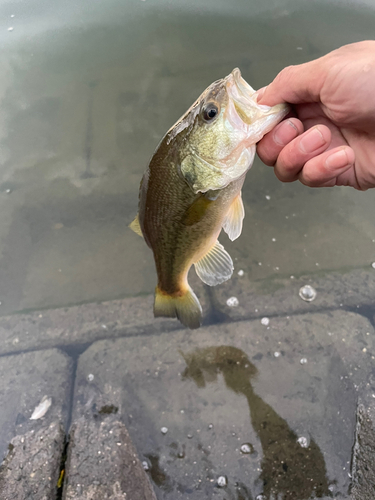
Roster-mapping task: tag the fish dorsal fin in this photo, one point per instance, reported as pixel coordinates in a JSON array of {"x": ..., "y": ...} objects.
[
  {"x": 135, "y": 226},
  {"x": 233, "y": 220},
  {"x": 215, "y": 267}
]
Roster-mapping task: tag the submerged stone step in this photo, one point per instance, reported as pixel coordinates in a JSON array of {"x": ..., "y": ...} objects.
[
  {"x": 31, "y": 468},
  {"x": 281, "y": 296},
  {"x": 88, "y": 322},
  {"x": 236, "y": 410},
  {"x": 35, "y": 391},
  {"x": 103, "y": 463},
  {"x": 236, "y": 299},
  {"x": 363, "y": 465}
]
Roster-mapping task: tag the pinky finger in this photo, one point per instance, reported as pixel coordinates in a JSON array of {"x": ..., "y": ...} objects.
[{"x": 324, "y": 169}]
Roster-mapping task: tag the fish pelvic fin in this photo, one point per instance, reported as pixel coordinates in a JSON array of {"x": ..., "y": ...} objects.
[
  {"x": 136, "y": 227},
  {"x": 233, "y": 220},
  {"x": 185, "y": 307},
  {"x": 216, "y": 266}
]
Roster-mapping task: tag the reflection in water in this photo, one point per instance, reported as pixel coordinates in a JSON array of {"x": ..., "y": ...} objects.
[{"x": 288, "y": 470}]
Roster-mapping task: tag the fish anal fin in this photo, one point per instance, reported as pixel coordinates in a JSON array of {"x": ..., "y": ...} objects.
[
  {"x": 232, "y": 224},
  {"x": 216, "y": 266},
  {"x": 185, "y": 307},
  {"x": 135, "y": 226}
]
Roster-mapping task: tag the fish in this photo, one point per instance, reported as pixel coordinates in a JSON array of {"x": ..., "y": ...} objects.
[{"x": 191, "y": 190}]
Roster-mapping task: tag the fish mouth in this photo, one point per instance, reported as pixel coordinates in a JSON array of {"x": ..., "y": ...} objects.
[
  {"x": 245, "y": 113},
  {"x": 240, "y": 92}
]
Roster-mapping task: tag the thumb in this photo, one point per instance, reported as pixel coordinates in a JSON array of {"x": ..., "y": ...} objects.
[{"x": 295, "y": 84}]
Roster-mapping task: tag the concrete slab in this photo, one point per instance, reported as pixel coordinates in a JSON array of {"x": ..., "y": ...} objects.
[
  {"x": 280, "y": 296},
  {"x": 31, "y": 468},
  {"x": 88, "y": 322},
  {"x": 103, "y": 463},
  {"x": 363, "y": 471},
  {"x": 33, "y": 447},
  {"x": 25, "y": 380},
  {"x": 240, "y": 410}
]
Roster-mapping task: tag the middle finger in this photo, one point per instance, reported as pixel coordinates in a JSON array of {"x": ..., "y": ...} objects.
[{"x": 295, "y": 154}]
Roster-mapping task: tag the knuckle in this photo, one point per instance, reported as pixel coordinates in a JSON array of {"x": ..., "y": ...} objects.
[
  {"x": 266, "y": 151},
  {"x": 268, "y": 161},
  {"x": 289, "y": 161},
  {"x": 312, "y": 175},
  {"x": 285, "y": 74},
  {"x": 308, "y": 182}
]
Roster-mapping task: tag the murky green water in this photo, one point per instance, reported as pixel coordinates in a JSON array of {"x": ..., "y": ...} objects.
[{"x": 87, "y": 89}]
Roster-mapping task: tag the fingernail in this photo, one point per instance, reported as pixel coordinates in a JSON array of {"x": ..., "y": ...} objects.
[
  {"x": 285, "y": 132},
  {"x": 312, "y": 141},
  {"x": 337, "y": 160}
]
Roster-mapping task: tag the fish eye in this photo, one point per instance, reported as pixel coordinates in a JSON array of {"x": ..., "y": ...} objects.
[{"x": 210, "y": 111}]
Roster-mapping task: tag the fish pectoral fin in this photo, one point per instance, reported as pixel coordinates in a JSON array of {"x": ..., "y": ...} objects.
[
  {"x": 197, "y": 210},
  {"x": 135, "y": 226},
  {"x": 216, "y": 266},
  {"x": 233, "y": 220},
  {"x": 185, "y": 307}
]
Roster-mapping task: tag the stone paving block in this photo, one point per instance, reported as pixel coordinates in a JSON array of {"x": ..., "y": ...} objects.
[
  {"x": 363, "y": 465},
  {"x": 353, "y": 289},
  {"x": 24, "y": 380},
  {"x": 103, "y": 463},
  {"x": 35, "y": 449},
  {"x": 256, "y": 409},
  {"x": 32, "y": 467},
  {"x": 88, "y": 322}
]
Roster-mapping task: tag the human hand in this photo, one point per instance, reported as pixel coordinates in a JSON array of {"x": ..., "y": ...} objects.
[{"x": 330, "y": 140}]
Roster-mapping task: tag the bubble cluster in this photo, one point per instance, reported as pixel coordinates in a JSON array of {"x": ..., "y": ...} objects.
[
  {"x": 247, "y": 448},
  {"x": 303, "y": 442},
  {"x": 222, "y": 481},
  {"x": 307, "y": 293},
  {"x": 232, "y": 302}
]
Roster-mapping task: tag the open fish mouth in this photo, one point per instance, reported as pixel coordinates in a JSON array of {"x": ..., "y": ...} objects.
[
  {"x": 255, "y": 118},
  {"x": 241, "y": 93}
]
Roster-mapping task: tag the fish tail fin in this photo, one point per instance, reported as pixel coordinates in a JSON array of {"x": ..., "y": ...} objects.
[{"x": 185, "y": 307}]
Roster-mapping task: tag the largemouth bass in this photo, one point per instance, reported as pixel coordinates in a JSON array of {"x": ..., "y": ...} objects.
[{"x": 192, "y": 189}]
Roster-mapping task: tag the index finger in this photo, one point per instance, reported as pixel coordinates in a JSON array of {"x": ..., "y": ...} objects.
[{"x": 295, "y": 84}]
